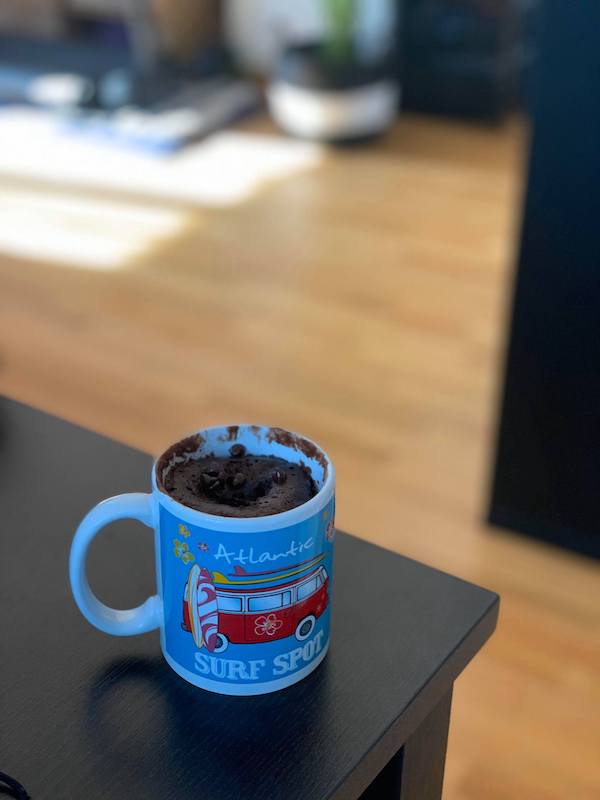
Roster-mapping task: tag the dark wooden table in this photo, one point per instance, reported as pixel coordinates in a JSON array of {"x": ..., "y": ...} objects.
[{"x": 85, "y": 715}]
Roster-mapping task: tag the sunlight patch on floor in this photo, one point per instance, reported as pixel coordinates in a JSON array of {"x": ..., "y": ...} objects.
[{"x": 80, "y": 231}]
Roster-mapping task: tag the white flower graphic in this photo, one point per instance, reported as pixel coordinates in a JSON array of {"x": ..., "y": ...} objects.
[{"x": 267, "y": 625}]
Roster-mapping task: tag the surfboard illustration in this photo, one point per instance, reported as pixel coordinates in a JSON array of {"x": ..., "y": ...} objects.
[
  {"x": 192, "y": 604},
  {"x": 202, "y": 604},
  {"x": 241, "y": 572},
  {"x": 242, "y": 578}
]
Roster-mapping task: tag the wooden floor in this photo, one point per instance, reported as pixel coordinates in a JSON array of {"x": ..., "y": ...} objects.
[{"x": 363, "y": 303}]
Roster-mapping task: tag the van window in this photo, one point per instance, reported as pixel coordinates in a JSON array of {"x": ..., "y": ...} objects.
[
  {"x": 287, "y": 598},
  {"x": 307, "y": 588},
  {"x": 228, "y": 603},
  {"x": 265, "y": 602},
  {"x": 319, "y": 579}
]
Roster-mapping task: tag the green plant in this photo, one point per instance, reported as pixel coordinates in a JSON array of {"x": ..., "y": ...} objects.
[{"x": 341, "y": 28}]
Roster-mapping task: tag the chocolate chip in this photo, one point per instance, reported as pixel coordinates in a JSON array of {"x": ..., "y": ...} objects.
[
  {"x": 239, "y": 479},
  {"x": 279, "y": 476},
  {"x": 212, "y": 472},
  {"x": 216, "y": 487},
  {"x": 237, "y": 450},
  {"x": 206, "y": 480}
]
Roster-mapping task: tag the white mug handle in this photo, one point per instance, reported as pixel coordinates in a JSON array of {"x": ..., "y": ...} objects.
[{"x": 144, "y": 618}]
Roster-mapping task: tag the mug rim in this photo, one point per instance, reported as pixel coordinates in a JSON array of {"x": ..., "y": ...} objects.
[{"x": 247, "y": 524}]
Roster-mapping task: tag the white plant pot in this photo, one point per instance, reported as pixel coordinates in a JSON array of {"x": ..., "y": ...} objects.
[{"x": 334, "y": 114}]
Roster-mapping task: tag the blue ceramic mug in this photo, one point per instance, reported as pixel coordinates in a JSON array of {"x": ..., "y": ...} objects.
[{"x": 243, "y": 604}]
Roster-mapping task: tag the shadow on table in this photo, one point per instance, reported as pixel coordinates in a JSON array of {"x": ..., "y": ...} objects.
[{"x": 164, "y": 735}]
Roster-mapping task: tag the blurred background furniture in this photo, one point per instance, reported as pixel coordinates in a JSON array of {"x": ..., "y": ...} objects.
[
  {"x": 462, "y": 57},
  {"x": 139, "y": 73},
  {"x": 180, "y": 27},
  {"x": 470, "y": 58},
  {"x": 548, "y": 459}
]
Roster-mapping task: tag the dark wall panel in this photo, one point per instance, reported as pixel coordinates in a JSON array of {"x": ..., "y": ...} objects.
[{"x": 547, "y": 472}]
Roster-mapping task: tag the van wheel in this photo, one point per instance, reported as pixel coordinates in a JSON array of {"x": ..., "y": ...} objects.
[
  {"x": 222, "y": 643},
  {"x": 305, "y": 627}
]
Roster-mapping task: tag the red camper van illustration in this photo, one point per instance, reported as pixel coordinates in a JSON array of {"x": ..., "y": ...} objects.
[{"x": 283, "y": 607}]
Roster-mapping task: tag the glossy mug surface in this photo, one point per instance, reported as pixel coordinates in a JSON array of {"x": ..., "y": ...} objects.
[{"x": 242, "y": 604}]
